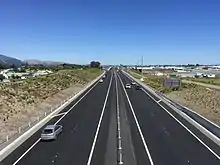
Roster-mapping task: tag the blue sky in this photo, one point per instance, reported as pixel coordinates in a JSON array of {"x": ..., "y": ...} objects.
[{"x": 112, "y": 31}]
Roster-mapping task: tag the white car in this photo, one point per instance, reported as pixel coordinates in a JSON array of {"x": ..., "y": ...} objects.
[
  {"x": 101, "y": 80},
  {"x": 133, "y": 83},
  {"x": 128, "y": 86}
]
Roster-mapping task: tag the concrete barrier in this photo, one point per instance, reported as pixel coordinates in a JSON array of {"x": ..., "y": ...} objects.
[
  {"x": 21, "y": 139},
  {"x": 205, "y": 126}
]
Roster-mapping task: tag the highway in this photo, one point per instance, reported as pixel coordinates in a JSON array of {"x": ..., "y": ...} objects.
[{"x": 111, "y": 125}]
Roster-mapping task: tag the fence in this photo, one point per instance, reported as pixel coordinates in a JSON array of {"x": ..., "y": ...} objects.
[
  {"x": 208, "y": 125},
  {"x": 212, "y": 127},
  {"x": 21, "y": 129}
]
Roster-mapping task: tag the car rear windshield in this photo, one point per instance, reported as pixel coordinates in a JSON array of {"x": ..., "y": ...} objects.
[{"x": 47, "y": 131}]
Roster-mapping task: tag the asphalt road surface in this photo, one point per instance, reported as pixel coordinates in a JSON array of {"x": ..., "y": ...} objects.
[{"x": 111, "y": 125}]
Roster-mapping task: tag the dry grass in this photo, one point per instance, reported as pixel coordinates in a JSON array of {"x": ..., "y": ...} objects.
[
  {"x": 156, "y": 82},
  {"x": 15, "y": 97},
  {"x": 213, "y": 81},
  {"x": 25, "y": 101},
  {"x": 202, "y": 100}
]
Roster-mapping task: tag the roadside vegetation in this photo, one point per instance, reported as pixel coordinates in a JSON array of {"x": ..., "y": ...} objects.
[
  {"x": 26, "y": 100},
  {"x": 212, "y": 81},
  {"x": 203, "y": 100},
  {"x": 36, "y": 89},
  {"x": 156, "y": 82}
]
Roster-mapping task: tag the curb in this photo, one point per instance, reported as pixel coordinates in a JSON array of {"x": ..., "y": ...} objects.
[
  {"x": 21, "y": 139},
  {"x": 185, "y": 116}
]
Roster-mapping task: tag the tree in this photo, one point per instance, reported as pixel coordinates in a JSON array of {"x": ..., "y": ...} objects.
[
  {"x": 2, "y": 77},
  {"x": 22, "y": 70},
  {"x": 15, "y": 69},
  {"x": 3, "y": 65},
  {"x": 95, "y": 64}
]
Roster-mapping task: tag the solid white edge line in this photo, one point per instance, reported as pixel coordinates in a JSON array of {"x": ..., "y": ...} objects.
[
  {"x": 26, "y": 152},
  {"x": 75, "y": 104},
  {"x": 138, "y": 126},
  {"x": 210, "y": 122},
  {"x": 187, "y": 109},
  {"x": 99, "y": 124},
  {"x": 54, "y": 124},
  {"x": 202, "y": 117},
  {"x": 213, "y": 152},
  {"x": 57, "y": 115}
]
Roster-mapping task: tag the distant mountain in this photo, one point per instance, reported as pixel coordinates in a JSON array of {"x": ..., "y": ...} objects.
[
  {"x": 10, "y": 61},
  {"x": 39, "y": 62}
]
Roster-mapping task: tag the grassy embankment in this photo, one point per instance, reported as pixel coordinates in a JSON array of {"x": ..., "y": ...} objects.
[
  {"x": 203, "y": 100},
  {"x": 32, "y": 91},
  {"x": 212, "y": 81},
  {"x": 156, "y": 82}
]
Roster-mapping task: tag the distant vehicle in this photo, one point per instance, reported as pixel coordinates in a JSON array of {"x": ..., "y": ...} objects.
[
  {"x": 50, "y": 132},
  {"x": 128, "y": 86},
  {"x": 133, "y": 83},
  {"x": 137, "y": 87},
  {"x": 101, "y": 80},
  {"x": 104, "y": 76}
]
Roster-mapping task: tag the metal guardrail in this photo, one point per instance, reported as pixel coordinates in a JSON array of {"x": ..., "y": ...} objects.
[
  {"x": 214, "y": 128},
  {"x": 33, "y": 125},
  {"x": 210, "y": 126}
]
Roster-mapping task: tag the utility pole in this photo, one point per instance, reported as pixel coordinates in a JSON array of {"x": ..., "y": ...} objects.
[{"x": 137, "y": 65}]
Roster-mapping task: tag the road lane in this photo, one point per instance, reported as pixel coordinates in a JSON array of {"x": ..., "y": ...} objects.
[
  {"x": 203, "y": 139},
  {"x": 93, "y": 123},
  {"x": 128, "y": 152},
  {"x": 141, "y": 150},
  {"x": 105, "y": 148},
  {"x": 169, "y": 143},
  {"x": 75, "y": 142}
]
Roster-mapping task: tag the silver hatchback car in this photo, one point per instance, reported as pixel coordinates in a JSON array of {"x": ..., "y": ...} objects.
[{"x": 50, "y": 132}]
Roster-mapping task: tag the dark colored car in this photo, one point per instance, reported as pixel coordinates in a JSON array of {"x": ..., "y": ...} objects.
[{"x": 137, "y": 87}]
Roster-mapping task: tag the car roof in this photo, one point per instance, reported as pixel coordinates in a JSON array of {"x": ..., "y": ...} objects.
[{"x": 50, "y": 127}]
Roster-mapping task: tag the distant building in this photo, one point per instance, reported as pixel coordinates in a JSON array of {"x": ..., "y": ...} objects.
[
  {"x": 6, "y": 81},
  {"x": 41, "y": 72},
  {"x": 211, "y": 75},
  {"x": 159, "y": 74}
]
